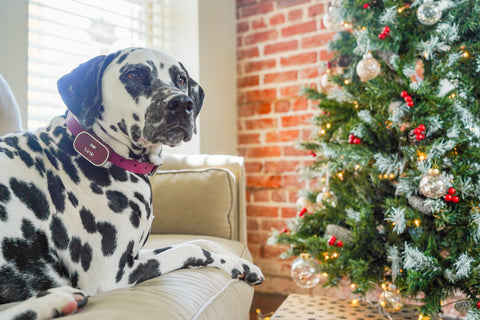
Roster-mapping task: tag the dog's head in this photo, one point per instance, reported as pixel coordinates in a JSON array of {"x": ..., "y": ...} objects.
[{"x": 136, "y": 98}]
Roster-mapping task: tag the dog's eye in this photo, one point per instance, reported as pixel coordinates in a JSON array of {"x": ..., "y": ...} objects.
[
  {"x": 133, "y": 75},
  {"x": 182, "y": 80}
]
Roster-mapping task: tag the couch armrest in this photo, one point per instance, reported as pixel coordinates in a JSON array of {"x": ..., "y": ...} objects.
[{"x": 234, "y": 164}]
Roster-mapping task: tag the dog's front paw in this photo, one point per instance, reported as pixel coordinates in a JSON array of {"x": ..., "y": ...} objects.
[
  {"x": 250, "y": 273},
  {"x": 58, "y": 302}
]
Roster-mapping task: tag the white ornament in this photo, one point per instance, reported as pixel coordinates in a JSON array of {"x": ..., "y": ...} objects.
[
  {"x": 429, "y": 13},
  {"x": 433, "y": 185},
  {"x": 368, "y": 68},
  {"x": 304, "y": 271},
  {"x": 326, "y": 196}
]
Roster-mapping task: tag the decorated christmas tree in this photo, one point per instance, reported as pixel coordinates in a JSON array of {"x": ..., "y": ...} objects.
[{"x": 396, "y": 172}]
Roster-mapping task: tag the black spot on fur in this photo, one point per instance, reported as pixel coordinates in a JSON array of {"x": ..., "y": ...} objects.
[
  {"x": 125, "y": 259},
  {"x": 95, "y": 188},
  {"x": 17, "y": 286},
  {"x": 40, "y": 165},
  {"x": 142, "y": 85},
  {"x": 136, "y": 214},
  {"x": 32, "y": 197},
  {"x": 145, "y": 271},
  {"x": 109, "y": 237},
  {"x": 118, "y": 173},
  {"x": 136, "y": 132},
  {"x": 43, "y": 294},
  {"x": 73, "y": 199},
  {"x": 133, "y": 178},
  {"x": 32, "y": 142},
  {"x": 5, "y": 195},
  {"x": 88, "y": 220},
  {"x": 26, "y": 158},
  {"x": 52, "y": 159},
  {"x": 147, "y": 204},
  {"x": 45, "y": 137},
  {"x": 80, "y": 253},
  {"x": 74, "y": 279},
  {"x": 123, "y": 127},
  {"x": 30, "y": 258},
  {"x": 97, "y": 175},
  {"x": 160, "y": 250},
  {"x": 135, "y": 117},
  {"x": 198, "y": 262},
  {"x": 27, "y": 315},
  {"x": 114, "y": 128},
  {"x": 3, "y": 213},
  {"x": 12, "y": 141},
  {"x": 59, "y": 233},
  {"x": 57, "y": 191},
  {"x": 117, "y": 201}
]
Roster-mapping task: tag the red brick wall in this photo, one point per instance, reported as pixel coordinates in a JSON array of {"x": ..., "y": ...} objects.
[{"x": 280, "y": 46}]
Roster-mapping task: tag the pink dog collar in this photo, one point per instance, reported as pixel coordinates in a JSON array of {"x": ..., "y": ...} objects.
[{"x": 92, "y": 148}]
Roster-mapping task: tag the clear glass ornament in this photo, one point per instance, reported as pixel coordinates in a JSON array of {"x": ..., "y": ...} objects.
[
  {"x": 328, "y": 196},
  {"x": 391, "y": 300},
  {"x": 429, "y": 13},
  {"x": 304, "y": 271},
  {"x": 368, "y": 68},
  {"x": 433, "y": 185},
  {"x": 332, "y": 19}
]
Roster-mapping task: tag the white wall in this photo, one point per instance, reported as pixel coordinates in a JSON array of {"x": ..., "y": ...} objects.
[
  {"x": 203, "y": 38},
  {"x": 13, "y": 49}
]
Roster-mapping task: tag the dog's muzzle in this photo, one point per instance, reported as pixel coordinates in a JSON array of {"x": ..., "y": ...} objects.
[{"x": 171, "y": 122}]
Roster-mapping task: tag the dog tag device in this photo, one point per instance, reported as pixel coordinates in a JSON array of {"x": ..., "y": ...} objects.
[{"x": 91, "y": 149}]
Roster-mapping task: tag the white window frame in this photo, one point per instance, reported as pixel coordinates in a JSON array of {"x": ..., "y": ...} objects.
[{"x": 203, "y": 38}]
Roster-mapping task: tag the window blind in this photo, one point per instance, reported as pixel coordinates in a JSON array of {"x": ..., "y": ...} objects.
[{"x": 64, "y": 33}]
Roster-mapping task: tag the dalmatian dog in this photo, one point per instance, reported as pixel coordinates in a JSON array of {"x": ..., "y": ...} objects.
[{"x": 75, "y": 197}]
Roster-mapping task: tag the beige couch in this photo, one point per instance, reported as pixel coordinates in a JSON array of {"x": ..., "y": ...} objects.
[{"x": 194, "y": 197}]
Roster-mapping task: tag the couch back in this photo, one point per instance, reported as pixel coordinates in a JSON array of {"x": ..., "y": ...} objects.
[{"x": 200, "y": 194}]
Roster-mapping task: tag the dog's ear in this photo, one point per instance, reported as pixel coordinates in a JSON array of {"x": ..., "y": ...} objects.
[
  {"x": 197, "y": 94},
  {"x": 81, "y": 89}
]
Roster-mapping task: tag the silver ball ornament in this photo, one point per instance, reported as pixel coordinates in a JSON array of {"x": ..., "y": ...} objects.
[
  {"x": 429, "y": 13},
  {"x": 433, "y": 185},
  {"x": 368, "y": 68}
]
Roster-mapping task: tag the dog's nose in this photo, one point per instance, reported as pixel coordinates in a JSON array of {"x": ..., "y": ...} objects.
[{"x": 181, "y": 103}]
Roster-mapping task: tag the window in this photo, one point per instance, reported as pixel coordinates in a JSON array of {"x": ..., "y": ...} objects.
[{"x": 64, "y": 33}]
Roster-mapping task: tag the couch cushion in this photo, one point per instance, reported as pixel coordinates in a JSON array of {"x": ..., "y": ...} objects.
[{"x": 201, "y": 202}]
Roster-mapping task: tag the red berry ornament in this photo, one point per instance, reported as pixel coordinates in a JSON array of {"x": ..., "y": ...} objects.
[
  {"x": 339, "y": 243},
  {"x": 419, "y": 132},
  {"x": 366, "y": 6},
  {"x": 302, "y": 212},
  {"x": 354, "y": 140},
  {"x": 312, "y": 153},
  {"x": 284, "y": 230},
  {"x": 332, "y": 240},
  {"x": 478, "y": 304},
  {"x": 407, "y": 98},
  {"x": 385, "y": 33},
  {"x": 448, "y": 197},
  {"x": 455, "y": 199},
  {"x": 452, "y": 191}
]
